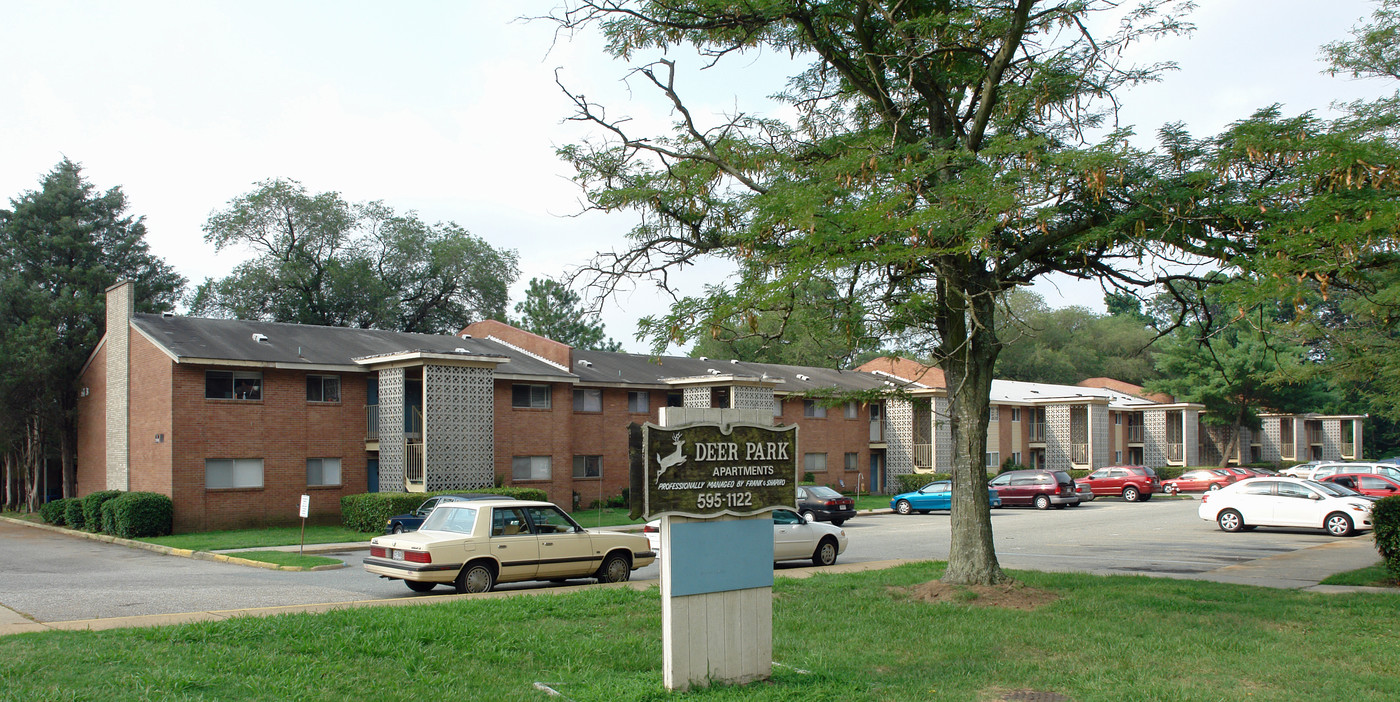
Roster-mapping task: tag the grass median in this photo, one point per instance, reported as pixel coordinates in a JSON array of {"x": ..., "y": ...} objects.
[{"x": 860, "y": 636}]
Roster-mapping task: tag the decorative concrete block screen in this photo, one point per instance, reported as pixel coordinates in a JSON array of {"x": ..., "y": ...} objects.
[
  {"x": 391, "y": 438},
  {"x": 458, "y": 428}
]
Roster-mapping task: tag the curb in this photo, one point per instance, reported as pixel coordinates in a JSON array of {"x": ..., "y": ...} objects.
[{"x": 171, "y": 551}]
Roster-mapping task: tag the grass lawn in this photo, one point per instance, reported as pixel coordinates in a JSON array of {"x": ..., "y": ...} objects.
[
  {"x": 286, "y": 558},
  {"x": 1374, "y": 576},
  {"x": 857, "y": 637},
  {"x": 608, "y": 516},
  {"x": 258, "y": 538}
]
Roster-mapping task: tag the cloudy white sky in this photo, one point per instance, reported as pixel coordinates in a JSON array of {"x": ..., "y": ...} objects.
[{"x": 450, "y": 108}]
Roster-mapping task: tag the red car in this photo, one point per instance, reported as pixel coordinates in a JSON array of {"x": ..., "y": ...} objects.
[
  {"x": 1366, "y": 484},
  {"x": 1134, "y": 483},
  {"x": 1199, "y": 480}
]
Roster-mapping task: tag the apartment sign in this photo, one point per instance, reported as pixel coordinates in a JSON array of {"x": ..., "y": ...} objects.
[{"x": 704, "y": 470}]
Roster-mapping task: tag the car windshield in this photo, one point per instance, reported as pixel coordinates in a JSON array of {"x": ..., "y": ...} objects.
[
  {"x": 822, "y": 492},
  {"x": 458, "y": 520},
  {"x": 1334, "y": 489}
]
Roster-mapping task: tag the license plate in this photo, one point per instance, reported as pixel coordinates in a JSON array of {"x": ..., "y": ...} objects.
[{"x": 397, "y": 554}]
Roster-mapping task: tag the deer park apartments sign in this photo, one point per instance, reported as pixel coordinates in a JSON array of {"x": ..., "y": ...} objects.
[{"x": 703, "y": 470}]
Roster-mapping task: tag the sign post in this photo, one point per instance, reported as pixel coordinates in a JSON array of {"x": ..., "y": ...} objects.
[
  {"x": 712, "y": 485},
  {"x": 305, "y": 512}
]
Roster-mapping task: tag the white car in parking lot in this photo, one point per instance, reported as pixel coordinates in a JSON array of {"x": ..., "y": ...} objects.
[
  {"x": 1286, "y": 502},
  {"x": 794, "y": 538}
]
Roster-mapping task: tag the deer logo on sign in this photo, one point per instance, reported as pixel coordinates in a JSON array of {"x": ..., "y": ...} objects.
[{"x": 672, "y": 459}]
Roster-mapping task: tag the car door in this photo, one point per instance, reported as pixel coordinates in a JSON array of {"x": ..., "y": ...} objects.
[
  {"x": 1002, "y": 484},
  {"x": 1376, "y": 486},
  {"x": 1296, "y": 506},
  {"x": 514, "y": 544},
  {"x": 1096, "y": 481},
  {"x": 565, "y": 550},
  {"x": 1255, "y": 501},
  {"x": 937, "y": 495},
  {"x": 791, "y": 536},
  {"x": 1112, "y": 483}
]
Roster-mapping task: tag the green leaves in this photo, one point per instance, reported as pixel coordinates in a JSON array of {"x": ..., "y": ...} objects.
[{"x": 321, "y": 260}]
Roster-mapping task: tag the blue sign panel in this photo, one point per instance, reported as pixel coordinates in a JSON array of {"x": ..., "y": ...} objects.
[{"x": 717, "y": 556}]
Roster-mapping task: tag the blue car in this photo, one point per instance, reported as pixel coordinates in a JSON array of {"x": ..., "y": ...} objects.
[
  {"x": 936, "y": 495},
  {"x": 401, "y": 523}
]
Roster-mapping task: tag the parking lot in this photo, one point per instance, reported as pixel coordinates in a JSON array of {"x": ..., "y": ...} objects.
[{"x": 52, "y": 577}]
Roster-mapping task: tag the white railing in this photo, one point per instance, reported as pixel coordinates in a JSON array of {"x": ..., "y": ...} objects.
[
  {"x": 1037, "y": 432},
  {"x": 371, "y": 422},
  {"x": 1079, "y": 454},
  {"x": 877, "y": 432},
  {"x": 923, "y": 455},
  {"x": 413, "y": 462},
  {"x": 1135, "y": 433},
  {"x": 1174, "y": 452}
]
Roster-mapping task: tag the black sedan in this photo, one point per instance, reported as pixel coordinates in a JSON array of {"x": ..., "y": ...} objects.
[
  {"x": 398, "y": 524},
  {"x": 819, "y": 503}
]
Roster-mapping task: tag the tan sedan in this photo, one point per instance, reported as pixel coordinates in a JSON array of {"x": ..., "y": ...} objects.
[{"x": 475, "y": 545}]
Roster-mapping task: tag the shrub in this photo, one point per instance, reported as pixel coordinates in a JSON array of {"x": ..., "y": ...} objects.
[
  {"x": 140, "y": 514},
  {"x": 368, "y": 512},
  {"x": 109, "y": 511},
  {"x": 53, "y": 511},
  {"x": 1010, "y": 464},
  {"x": 92, "y": 508},
  {"x": 1385, "y": 520},
  {"x": 73, "y": 512}
]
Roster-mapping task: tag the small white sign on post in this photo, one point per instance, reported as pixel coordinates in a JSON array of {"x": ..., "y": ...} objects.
[{"x": 305, "y": 512}]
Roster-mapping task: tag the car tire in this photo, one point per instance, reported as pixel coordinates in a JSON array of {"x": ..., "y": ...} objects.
[
  {"x": 903, "y": 507},
  {"x": 1145, "y": 496},
  {"x": 398, "y": 528},
  {"x": 810, "y": 516},
  {"x": 615, "y": 569},
  {"x": 1230, "y": 520},
  {"x": 825, "y": 554},
  {"x": 1042, "y": 502},
  {"x": 416, "y": 586},
  {"x": 1213, "y": 487},
  {"x": 1131, "y": 494},
  {"x": 476, "y": 578},
  {"x": 1338, "y": 524},
  {"x": 837, "y": 522}
]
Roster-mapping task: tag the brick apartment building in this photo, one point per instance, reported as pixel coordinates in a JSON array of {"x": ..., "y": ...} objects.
[{"x": 235, "y": 420}]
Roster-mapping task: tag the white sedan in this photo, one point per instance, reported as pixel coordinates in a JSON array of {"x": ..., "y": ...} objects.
[
  {"x": 1286, "y": 502},
  {"x": 794, "y": 538}
]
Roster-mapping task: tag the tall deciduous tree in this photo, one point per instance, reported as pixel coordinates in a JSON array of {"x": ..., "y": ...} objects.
[
  {"x": 935, "y": 158},
  {"x": 61, "y": 247},
  {"x": 1069, "y": 344},
  {"x": 322, "y": 260},
  {"x": 813, "y": 325},
  {"x": 552, "y": 310}
]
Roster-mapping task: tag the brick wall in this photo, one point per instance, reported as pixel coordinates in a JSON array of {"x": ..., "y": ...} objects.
[
  {"x": 282, "y": 429},
  {"x": 92, "y": 427},
  {"x": 833, "y": 435}
]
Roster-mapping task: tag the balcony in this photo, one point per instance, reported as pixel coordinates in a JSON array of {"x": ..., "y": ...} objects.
[
  {"x": 1135, "y": 434},
  {"x": 1079, "y": 454},
  {"x": 413, "y": 466},
  {"x": 1349, "y": 450},
  {"x": 371, "y": 422},
  {"x": 1175, "y": 452},
  {"x": 1037, "y": 432},
  {"x": 877, "y": 432},
  {"x": 923, "y": 457}
]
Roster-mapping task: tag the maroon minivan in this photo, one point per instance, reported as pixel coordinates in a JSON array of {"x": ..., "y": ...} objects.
[{"x": 1039, "y": 488}]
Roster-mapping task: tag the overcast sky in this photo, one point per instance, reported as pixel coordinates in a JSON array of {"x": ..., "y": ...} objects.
[{"x": 451, "y": 109}]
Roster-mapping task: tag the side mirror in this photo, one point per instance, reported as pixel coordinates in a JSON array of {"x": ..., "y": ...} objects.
[{"x": 1314, "y": 497}]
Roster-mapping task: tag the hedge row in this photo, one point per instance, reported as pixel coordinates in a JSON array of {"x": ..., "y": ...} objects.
[
  {"x": 1385, "y": 528},
  {"x": 368, "y": 512},
  {"x": 129, "y": 515}
]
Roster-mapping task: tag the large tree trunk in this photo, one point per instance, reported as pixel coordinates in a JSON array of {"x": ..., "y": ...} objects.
[
  {"x": 967, "y": 367},
  {"x": 67, "y": 451}
]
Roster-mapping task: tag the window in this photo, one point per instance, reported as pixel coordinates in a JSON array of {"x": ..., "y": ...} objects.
[
  {"x": 550, "y": 520},
  {"x": 233, "y": 385},
  {"x": 1016, "y": 457},
  {"x": 588, "y": 400},
  {"x": 993, "y": 459},
  {"x": 322, "y": 471},
  {"x": 323, "y": 388},
  {"x": 993, "y": 415},
  {"x": 509, "y": 522},
  {"x": 777, "y": 407},
  {"x": 530, "y": 396},
  {"x": 851, "y": 410},
  {"x": 814, "y": 462},
  {"x": 1117, "y": 456},
  {"x": 530, "y": 468},
  {"x": 588, "y": 466},
  {"x": 810, "y": 408},
  {"x": 638, "y": 402},
  {"x": 852, "y": 461},
  {"x": 675, "y": 399},
  {"x": 1117, "y": 417},
  {"x": 877, "y": 411},
  {"x": 224, "y": 473},
  {"x": 1015, "y": 414}
]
